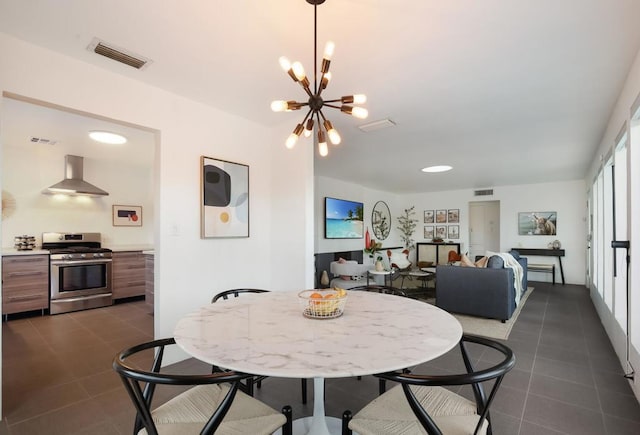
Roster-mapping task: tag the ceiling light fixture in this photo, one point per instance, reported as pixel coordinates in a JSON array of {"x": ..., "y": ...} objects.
[
  {"x": 314, "y": 117},
  {"x": 438, "y": 168},
  {"x": 107, "y": 137}
]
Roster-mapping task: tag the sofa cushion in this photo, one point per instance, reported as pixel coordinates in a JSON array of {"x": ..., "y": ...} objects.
[
  {"x": 495, "y": 262},
  {"x": 515, "y": 254}
]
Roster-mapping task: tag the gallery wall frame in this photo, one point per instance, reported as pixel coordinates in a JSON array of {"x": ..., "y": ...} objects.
[
  {"x": 428, "y": 232},
  {"x": 429, "y": 217},
  {"x": 454, "y": 231},
  {"x": 453, "y": 215},
  {"x": 127, "y": 215},
  {"x": 224, "y": 198},
  {"x": 441, "y": 232},
  {"x": 441, "y": 217}
]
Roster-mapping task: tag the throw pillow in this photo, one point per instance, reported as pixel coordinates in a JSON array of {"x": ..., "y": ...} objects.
[
  {"x": 495, "y": 262},
  {"x": 466, "y": 262},
  {"x": 482, "y": 262},
  {"x": 399, "y": 259},
  {"x": 344, "y": 277}
]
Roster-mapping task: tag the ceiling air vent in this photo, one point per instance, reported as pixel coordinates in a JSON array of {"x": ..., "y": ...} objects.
[
  {"x": 484, "y": 192},
  {"x": 34, "y": 139},
  {"x": 118, "y": 54}
]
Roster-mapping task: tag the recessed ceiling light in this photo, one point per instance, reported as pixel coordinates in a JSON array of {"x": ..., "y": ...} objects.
[
  {"x": 107, "y": 137},
  {"x": 438, "y": 168}
]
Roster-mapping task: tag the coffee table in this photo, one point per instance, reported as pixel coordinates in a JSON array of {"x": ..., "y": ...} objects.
[{"x": 266, "y": 334}]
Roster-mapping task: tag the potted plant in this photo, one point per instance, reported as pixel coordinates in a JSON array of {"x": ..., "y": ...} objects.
[{"x": 407, "y": 227}]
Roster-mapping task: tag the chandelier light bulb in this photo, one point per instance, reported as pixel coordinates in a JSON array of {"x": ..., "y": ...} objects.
[
  {"x": 322, "y": 143},
  {"x": 298, "y": 70},
  {"x": 360, "y": 112},
  {"x": 325, "y": 80},
  {"x": 284, "y": 63},
  {"x": 322, "y": 149},
  {"x": 334, "y": 136},
  {"x": 293, "y": 137},
  {"x": 291, "y": 141},
  {"x": 279, "y": 106},
  {"x": 359, "y": 99},
  {"x": 309, "y": 128},
  {"x": 329, "y": 49}
]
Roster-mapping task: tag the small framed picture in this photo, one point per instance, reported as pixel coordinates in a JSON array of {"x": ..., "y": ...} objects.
[
  {"x": 441, "y": 232},
  {"x": 454, "y": 231},
  {"x": 428, "y": 217},
  {"x": 441, "y": 217},
  {"x": 453, "y": 216},
  {"x": 127, "y": 215},
  {"x": 428, "y": 232}
]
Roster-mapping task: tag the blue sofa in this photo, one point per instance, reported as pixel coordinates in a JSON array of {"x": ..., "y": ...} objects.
[{"x": 483, "y": 292}]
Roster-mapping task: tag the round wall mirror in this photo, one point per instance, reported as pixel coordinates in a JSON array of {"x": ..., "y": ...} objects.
[{"x": 381, "y": 220}]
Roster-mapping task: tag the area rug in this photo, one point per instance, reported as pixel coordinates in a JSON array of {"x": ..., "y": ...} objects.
[{"x": 489, "y": 327}]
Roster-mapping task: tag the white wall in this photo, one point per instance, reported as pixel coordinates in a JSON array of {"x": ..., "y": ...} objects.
[
  {"x": 27, "y": 172},
  {"x": 189, "y": 270},
  {"x": 566, "y": 198}
]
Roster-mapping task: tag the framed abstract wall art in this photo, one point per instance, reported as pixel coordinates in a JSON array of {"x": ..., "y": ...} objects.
[
  {"x": 127, "y": 215},
  {"x": 224, "y": 199}
]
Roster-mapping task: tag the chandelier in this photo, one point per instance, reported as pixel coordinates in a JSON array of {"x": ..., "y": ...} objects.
[{"x": 314, "y": 117}]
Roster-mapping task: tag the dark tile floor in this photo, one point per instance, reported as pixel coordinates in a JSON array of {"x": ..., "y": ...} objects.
[{"x": 57, "y": 376}]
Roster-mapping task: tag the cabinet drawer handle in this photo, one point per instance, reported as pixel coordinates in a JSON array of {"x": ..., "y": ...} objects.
[
  {"x": 25, "y": 273},
  {"x": 27, "y": 260},
  {"x": 24, "y": 298}
]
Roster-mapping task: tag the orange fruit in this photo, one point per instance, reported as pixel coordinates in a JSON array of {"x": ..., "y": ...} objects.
[
  {"x": 315, "y": 296},
  {"x": 329, "y": 296}
]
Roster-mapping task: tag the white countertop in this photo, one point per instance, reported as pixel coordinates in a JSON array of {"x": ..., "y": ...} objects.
[
  {"x": 13, "y": 251},
  {"x": 128, "y": 248},
  {"x": 267, "y": 334}
]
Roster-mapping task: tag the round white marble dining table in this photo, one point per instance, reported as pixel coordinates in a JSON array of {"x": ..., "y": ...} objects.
[{"x": 266, "y": 334}]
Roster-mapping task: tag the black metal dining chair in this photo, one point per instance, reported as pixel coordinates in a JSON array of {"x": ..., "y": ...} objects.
[
  {"x": 213, "y": 403},
  {"x": 248, "y": 384},
  {"x": 421, "y": 403}
]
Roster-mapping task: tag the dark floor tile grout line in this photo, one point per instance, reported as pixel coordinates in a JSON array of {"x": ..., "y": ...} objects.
[{"x": 533, "y": 365}]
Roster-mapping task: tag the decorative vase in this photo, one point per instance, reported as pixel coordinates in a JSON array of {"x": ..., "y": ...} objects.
[
  {"x": 379, "y": 266},
  {"x": 324, "y": 279}
]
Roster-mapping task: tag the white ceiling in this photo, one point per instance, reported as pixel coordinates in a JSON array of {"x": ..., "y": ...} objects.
[{"x": 507, "y": 92}]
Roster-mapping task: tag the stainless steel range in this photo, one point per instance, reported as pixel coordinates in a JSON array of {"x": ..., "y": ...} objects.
[{"x": 80, "y": 271}]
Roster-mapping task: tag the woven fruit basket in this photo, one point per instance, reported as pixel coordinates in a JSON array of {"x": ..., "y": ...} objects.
[{"x": 323, "y": 304}]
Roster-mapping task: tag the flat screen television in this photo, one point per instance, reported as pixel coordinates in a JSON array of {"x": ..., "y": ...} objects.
[{"x": 343, "y": 219}]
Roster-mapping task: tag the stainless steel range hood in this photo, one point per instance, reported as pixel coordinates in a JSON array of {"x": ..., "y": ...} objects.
[{"x": 73, "y": 183}]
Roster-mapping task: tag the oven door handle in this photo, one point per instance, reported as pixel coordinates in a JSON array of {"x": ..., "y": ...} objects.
[
  {"x": 87, "y": 262},
  {"x": 82, "y": 298}
]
